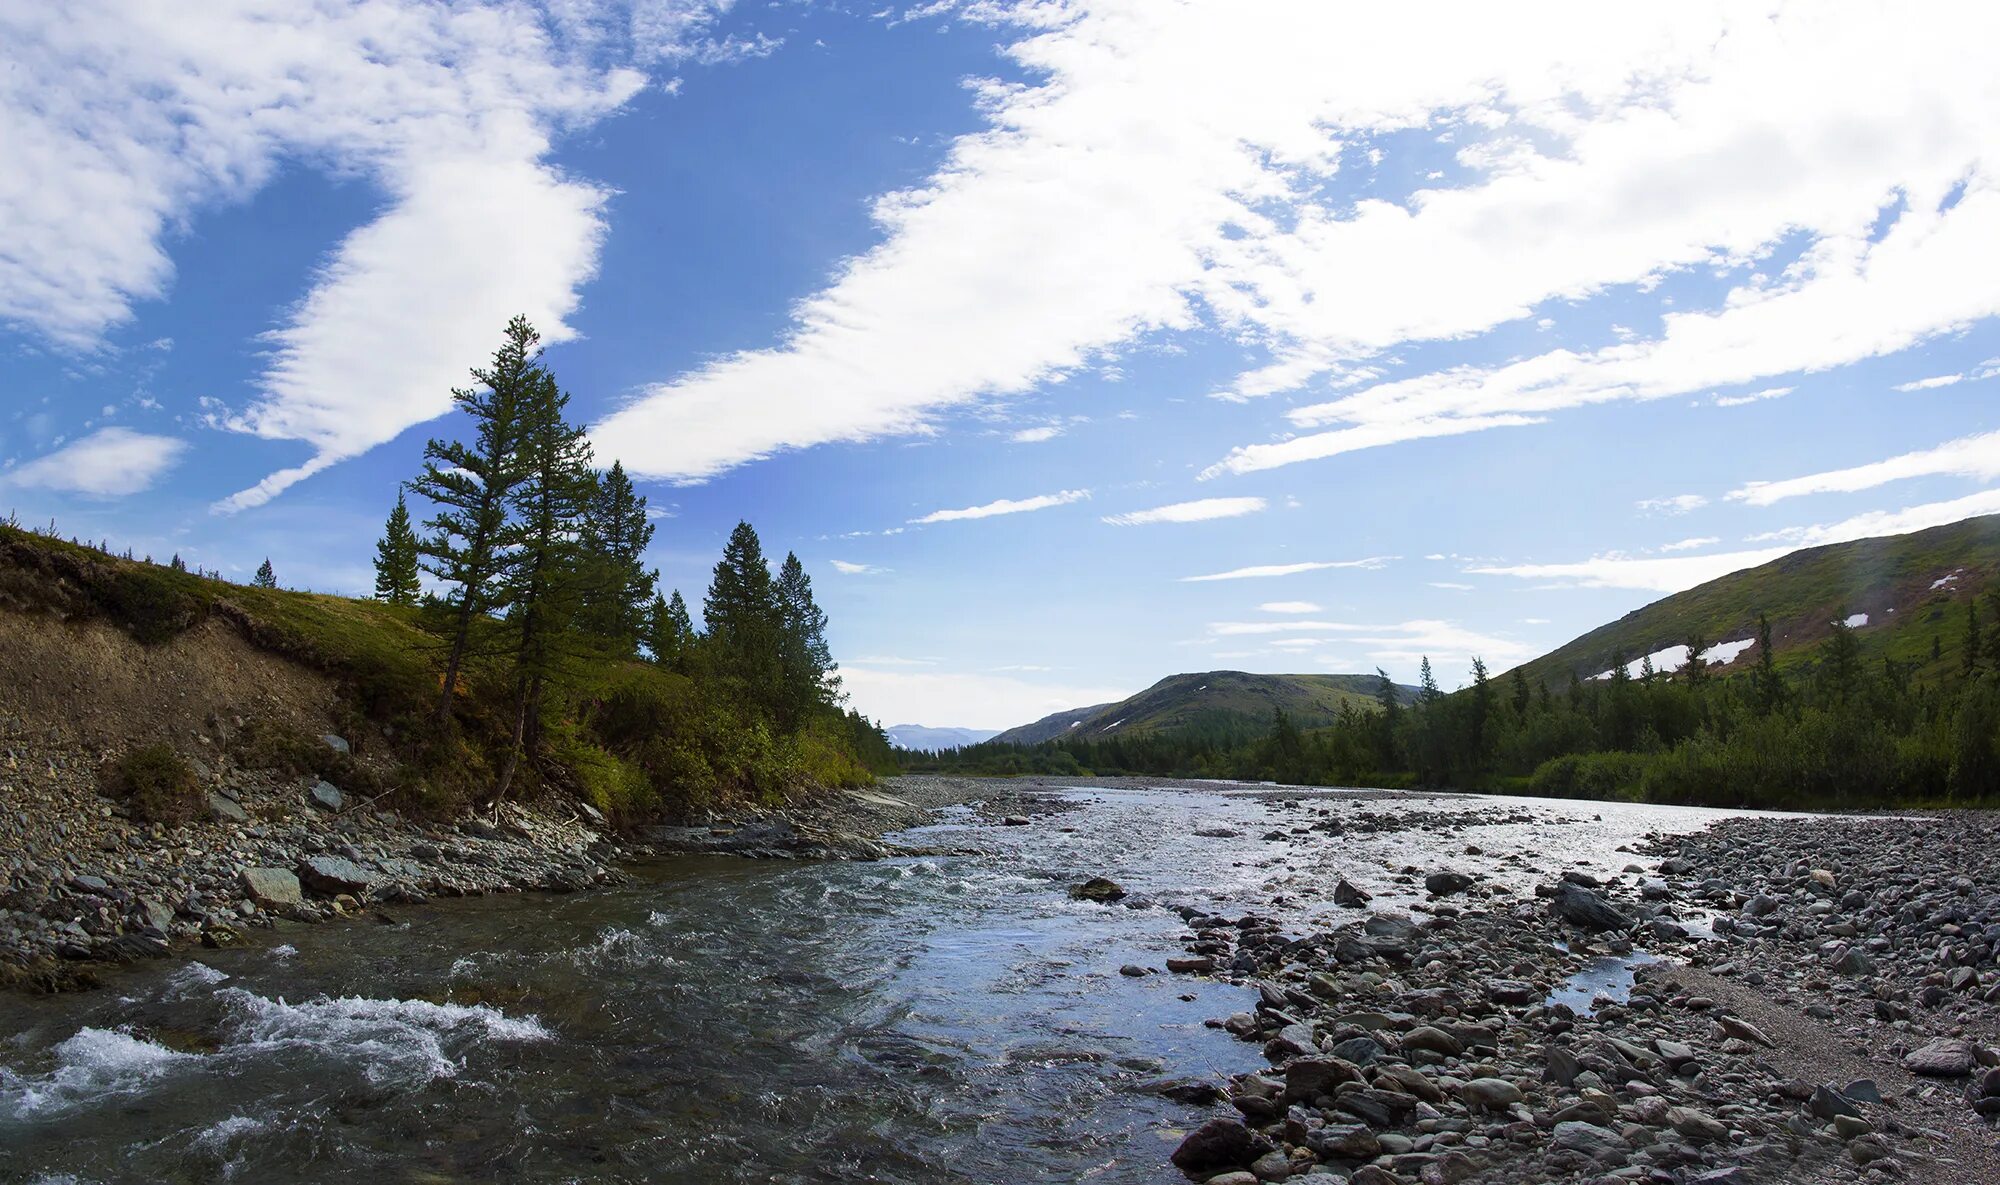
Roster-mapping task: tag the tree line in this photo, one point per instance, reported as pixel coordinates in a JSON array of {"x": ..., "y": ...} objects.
[
  {"x": 1830, "y": 729},
  {"x": 537, "y": 572}
]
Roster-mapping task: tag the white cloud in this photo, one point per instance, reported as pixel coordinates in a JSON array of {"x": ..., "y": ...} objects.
[
  {"x": 1004, "y": 506},
  {"x": 1162, "y": 167},
  {"x": 1289, "y": 607},
  {"x": 1753, "y": 397},
  {"x": 967, "y": 700},
  {"x": 109, "y": 463},
  {"x": 1036, "y": 435},
  {"x": 1451, "y": 585},
  {"x": 134, "y": 119},
  {"x": 1688, "y": 544},
  {"x": 1251, "y": 458},
  {"x": 1976, "y": 457},
  {"x": 1677, "y": 504},
  {"x": 1201, "y": 510},
  {"x": 851, "y": 569},
  {"x": 1985, "y": 370},
  {"x": 1255, "y": 571},
  {"x": 1684, "y": 572}
]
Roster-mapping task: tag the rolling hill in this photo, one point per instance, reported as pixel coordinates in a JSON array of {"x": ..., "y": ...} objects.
[
  {"x": 931, "y": 740},
  {"x": 1209, "y": 699},
  {"x": 1899, "y": 591}
]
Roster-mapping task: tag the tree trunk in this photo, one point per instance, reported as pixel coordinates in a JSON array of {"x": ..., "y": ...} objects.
[{"x": 513, "y": 750}]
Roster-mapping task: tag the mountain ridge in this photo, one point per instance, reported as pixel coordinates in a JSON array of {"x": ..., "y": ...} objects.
[{"x": 1228, "y": 699}]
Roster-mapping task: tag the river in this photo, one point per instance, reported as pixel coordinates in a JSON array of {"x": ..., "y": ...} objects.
[{"x": 919, "y": 1019}]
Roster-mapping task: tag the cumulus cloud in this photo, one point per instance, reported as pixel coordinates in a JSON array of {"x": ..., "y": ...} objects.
[
  {"x": 1977, "y": 457},
  {"x": 108, "y": 463},
  {"x": 1004, "y": 506},
  {"x": 1200, "y": 510},
  {"x": 1256, "y": 571},
  {"x": 1171, "y": 166},
  {"x": 1039, "y": 435}
]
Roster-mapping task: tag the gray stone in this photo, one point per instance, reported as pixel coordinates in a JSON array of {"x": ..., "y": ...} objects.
[
  {"x": 1491, "y": 1094},
  {"x": 1099, "y": 889},
  {"x": 1218, "y": 1145},
  {"x": 1345, "y": 894},
  {"x": 1586, "y": 910},
  {"x": 335, "y": 874},
  {"x": 1828, "y": 1103},
  {"x": 225, "y": 810},
  {"x": 327, "y": 796},
  {"x": 337, "y": 744},
  {"x": 1588, "y": 1139},
  {"x": 1433, "y": 1039},
  {"x": 1444, "y": 884},
  {"x": 272, "y": 888},
  {"x": 1943, "y": 1058}
]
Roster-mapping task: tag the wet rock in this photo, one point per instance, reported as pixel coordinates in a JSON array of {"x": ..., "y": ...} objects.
[
  {"x": 1444, "y": 884},
  {"x": 1014, "y": 821},
  {"x": 1196, "y": 965},
  {"x": 272, "y": 888},
  {"x": 1586, "y": 910},
  {"x": 1100, "y": 889},
  {"x": 1218, "y": 1145},
  {"x": 1193, "y": 1091},
  {"x": 1943, "y": 1058},
  {"x": 1345, "y": 894},
  {"x": 1133, "y": 970}
]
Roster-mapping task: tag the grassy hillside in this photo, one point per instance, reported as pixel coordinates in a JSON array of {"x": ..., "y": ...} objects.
[
  {"x": 631, "y": 737},
  {"x": 1208, "y": 699},
  {"x": 1913, "y": 588}
]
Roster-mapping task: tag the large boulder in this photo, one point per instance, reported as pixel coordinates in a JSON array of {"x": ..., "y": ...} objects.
[
  {"x": 226, "y": 810},
  {"x": 326, "y": 796},
  {"x": 1586, "y": 910},
  {"x": 1444, "y": 884},
  {"x": 1098, "y": 888},
  {"x": 1219, "y": 1145},
  {"x": 1944, "y": 1058},
  {"x": 335, "y": 874},
  {"x": 272, "y": 888}
]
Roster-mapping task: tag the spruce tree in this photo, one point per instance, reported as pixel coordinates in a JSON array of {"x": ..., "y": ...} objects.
[
  {"x": 670, "y": 632},
  {"x": 740, "y": 616},
  {"x": 1841, "y": 666},
  {"x": 1696, "y": 669},
  {"x": 266, "y": 577},
  {"x": 619, "y": 587},
  {"x": 542, "y": 574},
  {"x": 1767, "y": 685},
  {"x": 1391, "y": 703},
  {"x": 469, "y": 485},
  {"x": 1521, "y": 691},
  {"x": 1972, "y": 654},
  {"x": 396, "y": 559},
  {"x": 806, "y": 661}
]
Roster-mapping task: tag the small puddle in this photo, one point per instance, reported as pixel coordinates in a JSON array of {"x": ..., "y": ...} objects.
[{"x": 1608, "y": 976}]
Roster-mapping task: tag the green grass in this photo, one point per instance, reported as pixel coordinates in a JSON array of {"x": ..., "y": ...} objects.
[{"x": 1803, "y": 593}]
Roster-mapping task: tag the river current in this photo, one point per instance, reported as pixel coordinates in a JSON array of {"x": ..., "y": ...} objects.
[{"x": 919, "y": 1019}]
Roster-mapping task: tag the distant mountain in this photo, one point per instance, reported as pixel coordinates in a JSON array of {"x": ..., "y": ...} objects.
[
  {"x": 918, "y": 736},
  {"x": 1899, "y": 592},
  {"x": 1209, "y": 699}
]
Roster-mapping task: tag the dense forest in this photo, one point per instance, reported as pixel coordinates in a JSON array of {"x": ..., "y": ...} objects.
[{"x": 1834, "y": 729}]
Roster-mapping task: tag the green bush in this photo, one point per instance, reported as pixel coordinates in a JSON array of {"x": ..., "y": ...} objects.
[
  {"x": 1588, "y": 775},
  {"x": 156, "y": 785}
]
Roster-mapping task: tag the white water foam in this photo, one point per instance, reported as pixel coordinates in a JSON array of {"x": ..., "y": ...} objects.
[
  {"x": 89, "y": 1065},
  {"x": 217, "y": 1137},
  {"x": 400, "y": 1041}
]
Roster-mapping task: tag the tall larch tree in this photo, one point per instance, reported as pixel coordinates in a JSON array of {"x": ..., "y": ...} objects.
[
  {"x": 740, "y": 616},
  {"x": 807, "y": 665},
  {"x": 469, "y": 485},
  {"x": 396, "y": 558},
  {"x": 619, "y": 587},
  {"x": 544, "y": 573}
]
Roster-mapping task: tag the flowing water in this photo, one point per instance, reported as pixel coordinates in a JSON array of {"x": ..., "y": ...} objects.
[{"x": 946, "y": 1019}]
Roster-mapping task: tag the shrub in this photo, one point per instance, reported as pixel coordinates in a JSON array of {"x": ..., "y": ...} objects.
[
  {"x": 156, "y": 784},
  {"x": 1589, "y": 775}
]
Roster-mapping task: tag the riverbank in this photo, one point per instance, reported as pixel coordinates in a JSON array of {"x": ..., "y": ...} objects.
[{"x": 1766, "y": 1000}]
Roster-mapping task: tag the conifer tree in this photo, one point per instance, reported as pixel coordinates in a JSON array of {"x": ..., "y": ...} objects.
[
  {"x": 1696, "y": 669},
  {"x": 740, "y": 616},
  {"x": 806, "y": 661},
  {"x": 670, "y": 632},
  {"x": 619, "y": 587},
  {"x": 1521, "y": 691},
  {"x": 1841, "y": 666},
  {"x": 1767, "y": 685},
  {"x": 543, "y": 572},
  {"x": 1427, "y": 684},
  {"x": 177, "y": 563},
  {"x": 1482, "y": 708},
  {"x": 469, "y": 485},
  {"x": 266, "y": 577},
  {"x": 1391, "y": 719},
  {"x": 396, "y": 559},
  {"x": 1972, "y": 649}
]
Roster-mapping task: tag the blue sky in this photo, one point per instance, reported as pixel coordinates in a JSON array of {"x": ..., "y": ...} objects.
[{"x": 1069, "y": 344}]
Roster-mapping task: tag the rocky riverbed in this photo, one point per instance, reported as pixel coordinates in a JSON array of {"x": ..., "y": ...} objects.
[{"x": 1763, "y": 1000}]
